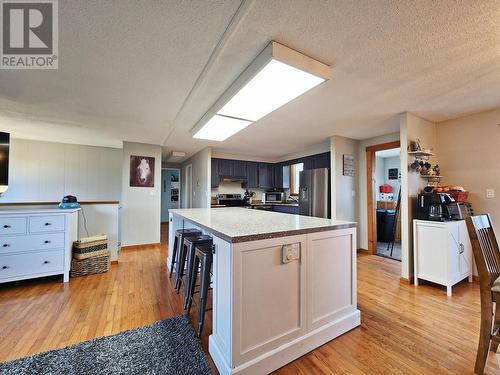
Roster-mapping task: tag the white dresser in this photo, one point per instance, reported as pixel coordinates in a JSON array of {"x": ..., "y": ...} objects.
[
  {"x": 442, "y": 252},
  {"x": 36, "y": 243}
]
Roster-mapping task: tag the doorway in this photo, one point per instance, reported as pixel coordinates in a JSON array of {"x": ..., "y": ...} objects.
[
  {"x": 170, "y": 191},
  {"x": 384, "y": 198}
]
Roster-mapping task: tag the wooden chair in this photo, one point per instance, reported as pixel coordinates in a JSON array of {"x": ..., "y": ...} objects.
[{"x": 487, "y": 257}]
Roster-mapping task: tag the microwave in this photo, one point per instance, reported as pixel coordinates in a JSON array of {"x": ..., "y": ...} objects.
[{"x": 274, "y": 196}]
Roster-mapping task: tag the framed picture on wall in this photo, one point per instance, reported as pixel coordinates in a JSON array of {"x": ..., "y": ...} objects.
[
  {"x": 348, "y": 165},
  {"x": 142, "y": 171},
  {"x": 393, "y": 173}
]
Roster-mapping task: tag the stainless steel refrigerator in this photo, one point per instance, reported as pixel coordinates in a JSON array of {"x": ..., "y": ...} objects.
[{"x": 314, "y": 192}]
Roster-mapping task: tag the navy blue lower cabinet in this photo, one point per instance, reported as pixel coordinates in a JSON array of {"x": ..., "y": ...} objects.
[{"x": 286, "y": 209}]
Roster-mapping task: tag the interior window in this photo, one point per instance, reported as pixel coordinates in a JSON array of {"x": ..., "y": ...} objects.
[{"x": 295, "y": 170}]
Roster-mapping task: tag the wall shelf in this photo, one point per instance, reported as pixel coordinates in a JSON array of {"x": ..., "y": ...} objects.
[
  {"x": 429, "y": 177},
  {"x": 420, "y": 153}
]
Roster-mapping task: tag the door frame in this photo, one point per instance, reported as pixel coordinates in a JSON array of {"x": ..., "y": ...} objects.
[
  {"x": 162, "y": 192},
  {"x": 370, "y": 192},
  {"x": 189, "y": 185}
]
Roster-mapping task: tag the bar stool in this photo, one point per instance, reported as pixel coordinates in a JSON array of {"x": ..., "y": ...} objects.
[
  {"x": 188, "y": 242},
  {"x": 179, "y": 238},
  {"x": 203, "y": 255}
]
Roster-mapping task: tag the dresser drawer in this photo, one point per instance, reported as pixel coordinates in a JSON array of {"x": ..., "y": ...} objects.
[
  {"x": 18, "y": 265},
  {"x": 13, "y": 244},
  {"x": 12, "y": 225},
  {"x": 40, "y": 224}
]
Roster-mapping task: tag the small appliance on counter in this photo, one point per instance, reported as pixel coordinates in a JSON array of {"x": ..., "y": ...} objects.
[
  {"x": 274, "y": 195},
  {"x": 69, "y": 201},
  {"x": 438, "y": 207}
]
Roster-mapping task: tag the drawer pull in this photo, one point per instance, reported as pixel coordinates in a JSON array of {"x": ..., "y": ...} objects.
[
  {"x": 46, "y": 241},
  {"x": 46, "y": 262},
  {"x": 47, "y": 224},
  {"x": 6, "y": 245},
  {"x": 6, "y": 226},
  {"x": 5, "y": 267}
]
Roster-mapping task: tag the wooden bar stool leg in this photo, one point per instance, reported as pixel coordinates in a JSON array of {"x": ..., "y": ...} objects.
[
  {"x": 174, "y": 255},
  {"x": 485, "y": 334},
  {"x": 205, "y": 284}
]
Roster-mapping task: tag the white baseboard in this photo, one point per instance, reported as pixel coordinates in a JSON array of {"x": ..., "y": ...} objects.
[{"x": 287, "y": 353}]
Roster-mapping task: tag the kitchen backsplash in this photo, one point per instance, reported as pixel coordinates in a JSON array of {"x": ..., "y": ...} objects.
[{"x": 228, "y": 187}]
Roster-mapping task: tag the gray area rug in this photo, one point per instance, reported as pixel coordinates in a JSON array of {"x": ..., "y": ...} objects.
[{"x": 165, "y": 347}]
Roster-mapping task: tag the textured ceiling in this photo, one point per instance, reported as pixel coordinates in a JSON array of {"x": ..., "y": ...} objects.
[{"x": 147, "y": 71}]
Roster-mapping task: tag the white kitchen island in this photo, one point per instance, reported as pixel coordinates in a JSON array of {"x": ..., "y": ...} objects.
[{"x": 269, "y": 310}]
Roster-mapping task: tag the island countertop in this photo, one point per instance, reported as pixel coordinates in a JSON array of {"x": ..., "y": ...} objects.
[{"x": 234, "y": 224}]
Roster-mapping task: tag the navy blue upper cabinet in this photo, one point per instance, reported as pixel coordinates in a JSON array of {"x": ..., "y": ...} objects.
[
  {"x": 266, "y": 175},
  {"x": 225, "y": 167},
  {"x": 239, "y": 168},
  {"x": 322, "y": 160},
  {"x": 278, "y": 175},
  {"x": 215, "y": 174},
  {"x": 252, "y": 175},
  {"x": 308, "y": 162}
]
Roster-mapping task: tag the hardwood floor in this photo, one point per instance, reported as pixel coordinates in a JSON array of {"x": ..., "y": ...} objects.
[{"x": 405, "y": 329}]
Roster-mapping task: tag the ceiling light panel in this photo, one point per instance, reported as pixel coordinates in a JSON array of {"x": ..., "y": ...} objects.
[
  {"x": 275, "y": 77},
  {"x": 275, "y": 85},
  {"x": 219, "y": 128}
]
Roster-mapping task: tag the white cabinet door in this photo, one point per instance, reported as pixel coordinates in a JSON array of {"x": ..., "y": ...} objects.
[
  {"x": 454, "y": 251},
  {"x": 465, "y": 258},
  {"x": 431, "y": 246}
]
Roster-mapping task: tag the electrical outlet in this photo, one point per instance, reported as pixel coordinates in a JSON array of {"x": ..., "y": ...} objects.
[
  {"x": 490, "y": 193},
  {"x": 290, "y": 252}
]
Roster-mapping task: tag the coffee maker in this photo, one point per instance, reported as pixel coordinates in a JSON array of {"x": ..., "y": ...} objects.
[{"x": 435, "y": 207}]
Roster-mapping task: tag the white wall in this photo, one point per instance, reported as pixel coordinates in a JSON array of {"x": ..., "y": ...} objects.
[
  {"x": 390, "y": 163},
  {"x": 412, "y": 128},
  {"x": 379, "y": 175},
  {"x": 201, "y": 172},
  {"x": 141, "y": 206},
  {"x": 344, "y": 188},
  {"x": 469, "y": 154},
  {"x": 362, "y": 183},
  {"x": 308, "y": 151},
  {"x": 46, "y": 171}
]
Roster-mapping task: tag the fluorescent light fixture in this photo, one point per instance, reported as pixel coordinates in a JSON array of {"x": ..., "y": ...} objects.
[
  {"x": 219, "y": 128},
  {"x": 275, "y": 85},
  {"x": 276, "y": 76}
]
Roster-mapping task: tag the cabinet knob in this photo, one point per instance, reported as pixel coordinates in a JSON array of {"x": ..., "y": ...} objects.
[
  {"x": 5, "y": 267},
  {"x": 46, "y": 262},
  {"x": 47, "y": 224},
  {"x": 6, "y": 226},
  {"x": 46, "y": 241},
  {"x": 6, "y": 245}
]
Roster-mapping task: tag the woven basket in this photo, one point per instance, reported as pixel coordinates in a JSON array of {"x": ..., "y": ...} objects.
[
  {"x": 90, "y": 249},
  {"x": 90, "y": 266}
]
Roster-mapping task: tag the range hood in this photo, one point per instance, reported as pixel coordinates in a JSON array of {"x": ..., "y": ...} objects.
[{"x": 234, "y": 178}]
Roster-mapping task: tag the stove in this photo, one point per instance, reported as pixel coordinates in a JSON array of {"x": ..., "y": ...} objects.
[{"x": 231, "y": 200}]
